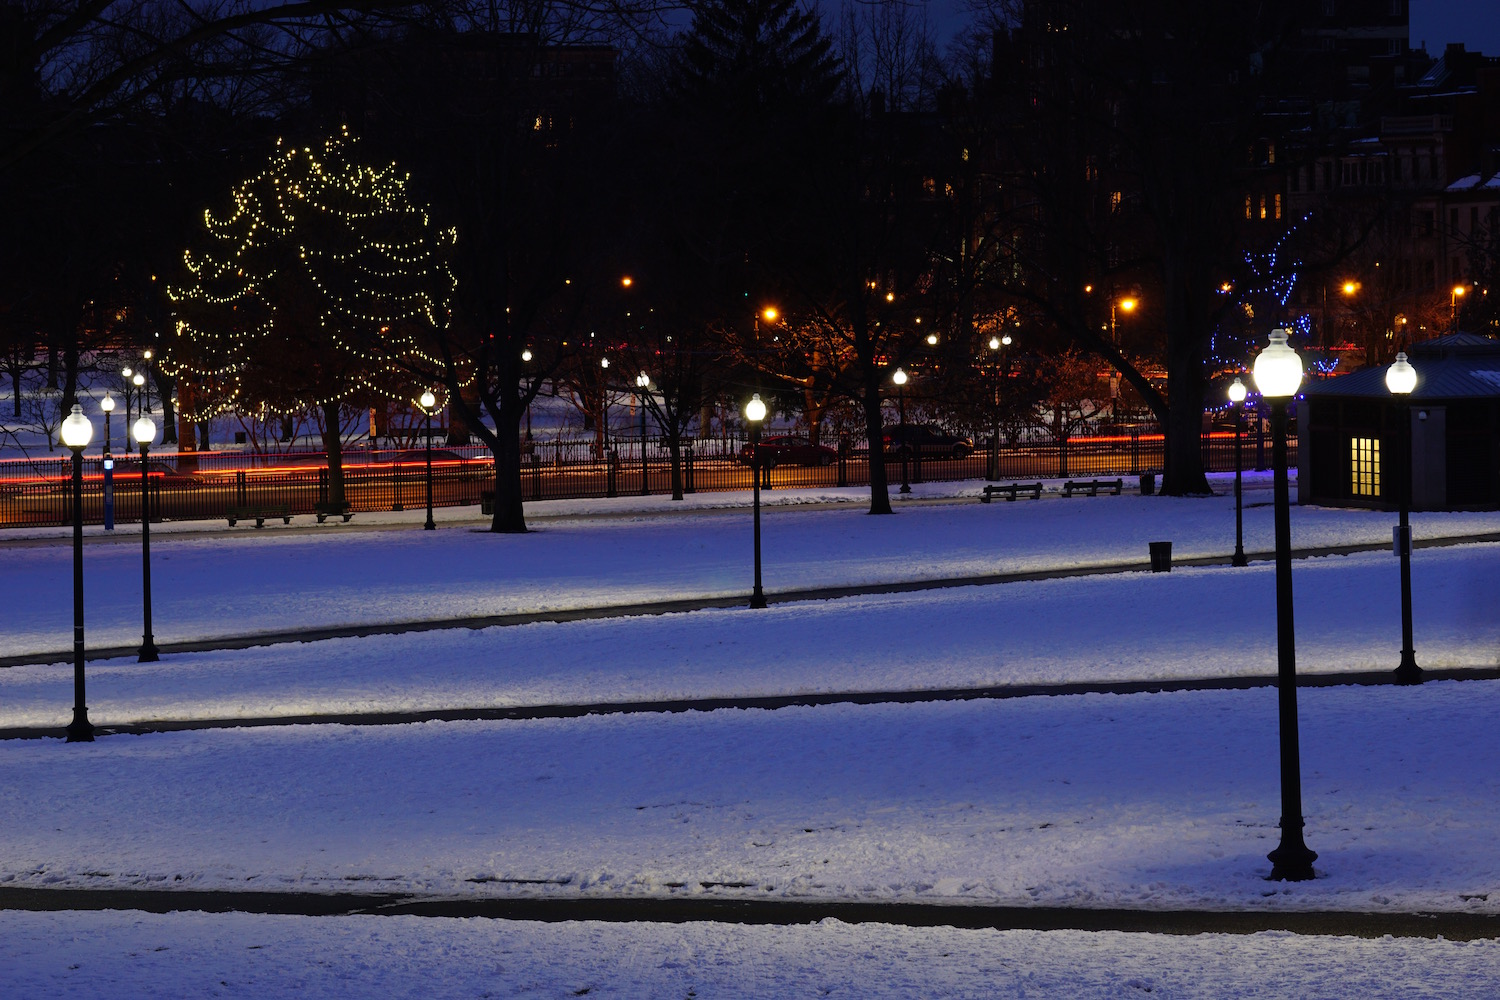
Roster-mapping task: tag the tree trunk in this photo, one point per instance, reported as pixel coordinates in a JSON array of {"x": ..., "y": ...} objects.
[
  {"x": 880, "y": 491},
  {"x": 164, "y": 389},
  {"x": 674, "y": 450},
  {"x": 333, "y": 446}
]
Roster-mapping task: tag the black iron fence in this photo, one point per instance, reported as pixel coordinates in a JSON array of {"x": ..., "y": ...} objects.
[{"x": 243, "y": 487}]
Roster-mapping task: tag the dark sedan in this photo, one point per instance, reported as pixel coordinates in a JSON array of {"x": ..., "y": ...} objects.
[
  {"x": 927, "y": 440},
  {"x": 790, "y": 449}
]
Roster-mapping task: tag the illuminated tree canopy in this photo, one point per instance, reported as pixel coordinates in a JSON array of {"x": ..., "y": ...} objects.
[{"x": 309, "y": 290}]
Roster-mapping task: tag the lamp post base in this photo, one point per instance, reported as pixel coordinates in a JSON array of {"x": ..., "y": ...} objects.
[
  {"x": 1239, "y": 558},
  {"x": 1292, "y": 861},
  {"x": 430, "y": 525},
  {"x": 757, "y": 600},
  {"x": 1408, "y": 672},
  {"x": 148, "y": 653},
  {"x": 80, "y": 730}
]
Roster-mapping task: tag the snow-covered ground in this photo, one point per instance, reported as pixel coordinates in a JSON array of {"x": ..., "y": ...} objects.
[
  {"x": 1155, "y": 801},
  {"x": 190, "y": 955}
]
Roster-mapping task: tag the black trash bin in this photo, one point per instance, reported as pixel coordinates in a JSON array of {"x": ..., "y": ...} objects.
[
  {"x": 1148, "y": 483},
  {"x": 1161, "y": 557}
]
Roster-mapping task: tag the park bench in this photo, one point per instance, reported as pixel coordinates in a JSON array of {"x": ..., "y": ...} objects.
[
  {"x": 1010, "y": 490},
  {"x": 1093, "y": 486},
  {"x": 326, "y": 510},
  {"x": 259, "y": 514}
]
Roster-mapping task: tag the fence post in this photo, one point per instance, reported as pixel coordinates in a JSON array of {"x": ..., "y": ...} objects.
[
  {"x": 611, "y": 468},
  {"x": 239, "y": 489},
  {"x": 1135, "y": 451},
  {"x": 916, "y": 464},
  {"x": 843, "y": 479},
  {"x": 687, "y": 470},
  {"x": 396, "y": 485},
  {"x": 323, "y": 488},
  {"x": 992, "y": 460},
  {"x": 536, "y": 476},
  {"x": 1062, "y": 457}
]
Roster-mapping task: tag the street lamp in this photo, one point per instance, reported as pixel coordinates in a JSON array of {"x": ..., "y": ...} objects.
[
  {"x": 1401, "y": 379},
  {"x": 900, "y": 379},
  {"x": 755, "y": 412},
  {"x": 76, "y": 432},
  {"x": 526, "y": 359},
  {"x": 428, "y": 401},
  {"x": 642, "y": 385},
  {"x": 144, "y": 432},
  {"x": 107, "y": 404},
  {"x": 1237, "y": 400},
  {"x": 1278, "y": 373},
  {"x": 125, "y": 379},
  {"x": 1126, "y": 304},
  {"x": 1459, "y": 291}
]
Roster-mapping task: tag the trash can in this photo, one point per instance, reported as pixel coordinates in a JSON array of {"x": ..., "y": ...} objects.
[
  {"x": 1148, "y": 483},
  {"x": 1161, "y": 557}
]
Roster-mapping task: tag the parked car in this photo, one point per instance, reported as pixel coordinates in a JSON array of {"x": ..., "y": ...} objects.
[
  {"x": 927, "y": 440},
  {"x": 790, "y": 449}
]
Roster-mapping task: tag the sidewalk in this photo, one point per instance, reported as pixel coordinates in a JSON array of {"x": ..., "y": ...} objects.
[{"x": 776, "y": 912}]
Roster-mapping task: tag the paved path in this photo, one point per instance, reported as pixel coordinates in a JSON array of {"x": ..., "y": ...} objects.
[
  {"x": 1452, "y": 926},
  {"x": 697, "y": 603}
]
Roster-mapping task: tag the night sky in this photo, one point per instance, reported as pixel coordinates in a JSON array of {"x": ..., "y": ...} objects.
[{"x": 1476, "y": 23}]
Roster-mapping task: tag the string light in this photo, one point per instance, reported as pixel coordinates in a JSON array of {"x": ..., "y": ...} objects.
[{"x": 322, "y": 280}]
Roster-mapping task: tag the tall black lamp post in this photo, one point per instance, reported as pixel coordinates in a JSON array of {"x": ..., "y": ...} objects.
[
  {"x": 643, "y": 386},
  {"x": 755, "y": 412},
  {"x": 1237, "y": 400},
  {"x": 1401, "y": 379},
  {"x": 107, "y": 404},
  {"x": 144, "y": 432},
  {"x": 900, "y": 379},
  {"x": 76, "y": 432},
  {"x": 428, "y": 401},
  {"x": 1278, "y": 373}
]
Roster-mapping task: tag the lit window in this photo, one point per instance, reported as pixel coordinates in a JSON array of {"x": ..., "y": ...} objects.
[
  {"x": 1364, "y": 465},
  {"x": 1278, "y": 206}
]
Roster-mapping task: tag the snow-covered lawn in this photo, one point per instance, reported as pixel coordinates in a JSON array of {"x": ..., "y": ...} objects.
[
  {"x": 219, "y": 582},
  {"x": 107, "y": 956},
  {"x": 1165, "y": 801}
]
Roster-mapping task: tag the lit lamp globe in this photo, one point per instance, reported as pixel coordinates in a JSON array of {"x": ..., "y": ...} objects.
[
  {"x": 994, "y": 343},
  {"x": 1005, "y": 340},
  {"x": 1237, "y": 391},
  {"x": 642, "y": 380},
  {"x": 526, "y": 354},
  {"x": 932, "y": 340},
  {"x": 899, "y": 378},
  {"x": 427, "y": 399},
  {"x": 143, "y": 430},
  {"x": 1278, "y": 369},
  {"x": 138, "y": 380},
  {"x": 107, "y": 404},
  {"x": 76, "y": 429},
  {"x": 755, "y": 410},
  {"x": 1401, "y": 377},
  {"x": 603, "y": 362}
]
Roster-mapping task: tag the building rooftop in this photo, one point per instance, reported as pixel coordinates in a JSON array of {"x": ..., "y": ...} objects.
[{"x": 1458, "y": 366}]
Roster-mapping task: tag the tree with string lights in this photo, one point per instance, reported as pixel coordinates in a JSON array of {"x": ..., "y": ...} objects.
[{"x": 315, "y": 291}]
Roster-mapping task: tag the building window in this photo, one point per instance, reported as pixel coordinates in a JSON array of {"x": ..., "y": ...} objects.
[
  {"x": 1114, "y": 201},
  {"x": 1278, "y": 205},
  {"x": 1364, "y": 465},
  {"x": 1262, "y": 206},
  {"x": 1249, "y": 207}
]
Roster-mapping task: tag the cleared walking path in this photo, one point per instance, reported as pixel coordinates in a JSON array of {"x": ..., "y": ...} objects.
[{"x": 1450, "y": 926}]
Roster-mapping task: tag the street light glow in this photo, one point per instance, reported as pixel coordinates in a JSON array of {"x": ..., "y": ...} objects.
[
  {"x": 899, "y": 377},
  {"x": 143, "y": 430},
  {"x": 427, "y": 400},
  {"x": 77, "y": 430},
  {"x": 1237, "y": 391},
  {"x": 1401, "y": 377},
  {"x": 755, "y": 410},
  {"x": 1128, "y": 304},
  {"x": 1278, "y": 369}
]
